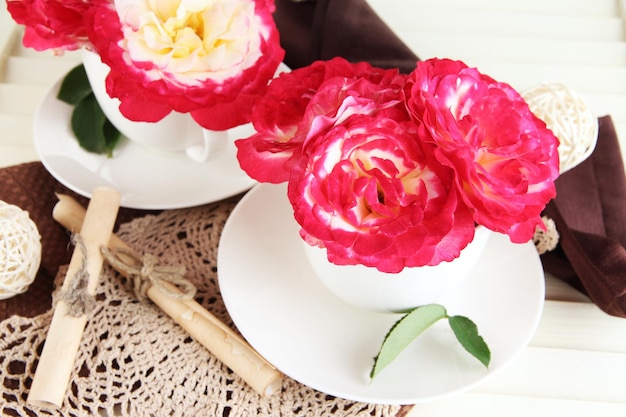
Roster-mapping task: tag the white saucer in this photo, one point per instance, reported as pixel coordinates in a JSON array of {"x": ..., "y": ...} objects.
[
  {"x": 290, "y": 318},
  {"x": 146, "y": 179}
]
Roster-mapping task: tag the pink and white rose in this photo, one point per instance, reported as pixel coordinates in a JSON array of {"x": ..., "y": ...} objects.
[
  {"x": 505, "y": 158},
  {"x": 52, "y": 24},
  {"x": 371, "y": 193},
  {"x": 210, "y": 58},
  {"x": 304, "y": 102}
]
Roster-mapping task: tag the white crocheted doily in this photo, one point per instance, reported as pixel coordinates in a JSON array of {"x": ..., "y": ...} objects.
[{"x": 135, "y": 361}]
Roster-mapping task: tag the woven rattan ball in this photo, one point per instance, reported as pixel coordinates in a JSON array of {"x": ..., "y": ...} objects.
[
  {"x": 570, "y": 119},
  {"x": 20, "y": 250}
]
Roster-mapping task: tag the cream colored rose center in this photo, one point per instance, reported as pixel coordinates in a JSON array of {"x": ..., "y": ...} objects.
[{"x": 192, "y": 40}]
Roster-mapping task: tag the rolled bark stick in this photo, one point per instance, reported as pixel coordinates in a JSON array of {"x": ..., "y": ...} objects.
[
  {"x": 68, "y": 320},
  {"x": 203, "y": 326}
]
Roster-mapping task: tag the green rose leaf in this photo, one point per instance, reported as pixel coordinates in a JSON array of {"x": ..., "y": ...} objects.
[
  {"x": 404, "y": 331},
  {"x": 92, "y": 129},
  {"x": 94, "y": 132},
  {"x": 75, "y": 86},
  {"x": 412, "y": 324},
  {"x": 466, "y": 333}
]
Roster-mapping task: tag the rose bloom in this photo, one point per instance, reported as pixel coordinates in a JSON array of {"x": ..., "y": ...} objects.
[
  {"x": 306, "y": 101},
  {"x": 504, "y": 157},
  {"x": 52, "y": 24},
  {"x": 372, "y": 194},
  {"x": 210, "y": 58}
]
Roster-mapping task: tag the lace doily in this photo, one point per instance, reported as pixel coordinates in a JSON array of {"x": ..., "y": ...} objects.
[{"x": 135, "y": 361}]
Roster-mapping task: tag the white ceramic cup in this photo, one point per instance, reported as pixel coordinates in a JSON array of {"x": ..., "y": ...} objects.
[
  {"x": 177, "y": 132},
  {"x": 369, "y": 289}
]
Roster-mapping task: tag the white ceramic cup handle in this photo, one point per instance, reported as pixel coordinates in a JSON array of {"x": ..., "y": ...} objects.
[{"x": 213, "y": 142}]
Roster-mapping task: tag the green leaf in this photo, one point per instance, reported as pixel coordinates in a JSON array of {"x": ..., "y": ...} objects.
[
  {"x": 91, "y": 127},
  {"x": 404, "y": 331},
  {"x": 466, "y": 333},
  {"x": 75, "y": 86},
  {"x": 95, "y": 133}
]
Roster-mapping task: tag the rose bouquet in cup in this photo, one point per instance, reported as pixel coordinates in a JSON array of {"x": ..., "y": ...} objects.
[
  {"x": 390, "y": 170},
  {"x": 391, "y": 174},
  {"x": 211, "y": 59}
]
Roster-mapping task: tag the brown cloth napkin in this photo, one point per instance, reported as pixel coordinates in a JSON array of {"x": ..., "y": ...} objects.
[
  {"x": 590, "y": 215},
  {"x": 324, "y": 29}
]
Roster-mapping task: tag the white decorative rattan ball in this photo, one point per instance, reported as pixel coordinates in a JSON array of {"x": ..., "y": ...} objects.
[
  {"x": 20, "y": 250},
  {"x": 570, "y": 119}
]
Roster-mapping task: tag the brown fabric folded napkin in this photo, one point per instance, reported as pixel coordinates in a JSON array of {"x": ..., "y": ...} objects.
[
  {"x": 324, "y": 29},
  {"x": 30, "y": 187},
  {"x": 590, "y": 215}
]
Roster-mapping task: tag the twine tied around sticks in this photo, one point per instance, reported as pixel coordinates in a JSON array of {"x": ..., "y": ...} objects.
[
  {"x": 146, "y": 272},
  {"x": 76, "y": 296}
]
